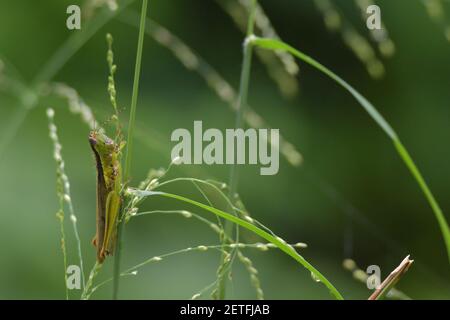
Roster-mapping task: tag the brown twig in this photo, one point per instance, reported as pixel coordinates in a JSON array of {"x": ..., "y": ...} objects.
[{"x": 392, "y": 279}]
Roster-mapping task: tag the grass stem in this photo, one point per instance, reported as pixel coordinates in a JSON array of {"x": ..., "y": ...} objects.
[
  {"x": 128, "y": 156},
  {"x": 241, "y": 108}
]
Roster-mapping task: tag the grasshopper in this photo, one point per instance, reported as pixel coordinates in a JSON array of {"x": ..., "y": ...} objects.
[{"x": 109, "y": 200}]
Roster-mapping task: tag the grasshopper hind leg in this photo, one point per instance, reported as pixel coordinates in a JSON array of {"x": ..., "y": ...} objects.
[{"x": 113, "y": 203}]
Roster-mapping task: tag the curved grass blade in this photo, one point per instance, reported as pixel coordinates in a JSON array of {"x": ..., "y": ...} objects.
[
  {"x": 283, "y": 246},
  {"x": 378, "y": 118}
]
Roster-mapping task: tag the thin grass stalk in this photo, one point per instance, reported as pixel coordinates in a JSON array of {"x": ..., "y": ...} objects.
[
  {"x": 64, "y": 195},
  {"x": 241, "y": 106},
  {"x": 243, "y": 93},
  {"x": 133, "y": 271},
  {"x": 128, "y": 156}
]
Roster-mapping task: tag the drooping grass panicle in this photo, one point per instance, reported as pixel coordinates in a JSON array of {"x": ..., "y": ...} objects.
[
  {"x": 75, "y": 102},
  {"x": 281, "y": 67},
  {"x": 133, "y": 271},
  {"x": 137, "y": 197},
  {"x": 336, "y": 22},
  {"x": 187, "y": 214},
  {"x": 254, "y": 279},
  {"x": 205, "y": 289},
  {"x": 219, "y": 188},
  {"x": 194, "y": 62},
  {"x": 275, "y": 240},
  {"x": 385, "y": 44},
  {"x": 436, "y": 11},
  {"x": 227, "y": 259},
  {"x": 91, "y": 6},
  {"x": 64, "y": 195},
  {"x": 266, "y": 29}
]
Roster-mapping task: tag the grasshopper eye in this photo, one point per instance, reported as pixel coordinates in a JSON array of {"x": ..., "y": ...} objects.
[{"x": 92, "y": 140}]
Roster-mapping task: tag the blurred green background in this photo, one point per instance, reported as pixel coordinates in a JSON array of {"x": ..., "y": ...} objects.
[{"x": 352, "y": 197}]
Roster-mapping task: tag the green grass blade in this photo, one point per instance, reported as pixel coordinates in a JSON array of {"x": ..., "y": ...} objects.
[
  {"x": 134, "y": 97},
  {"x": 128, "y": 154},
  {"x": 378, "y": 118},
  {"x": 263, "y": 234},
  {"x": 443, "y": 225}
]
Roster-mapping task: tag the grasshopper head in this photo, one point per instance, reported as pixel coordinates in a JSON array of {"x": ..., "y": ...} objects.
[{"x": 101, "y": 143}]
